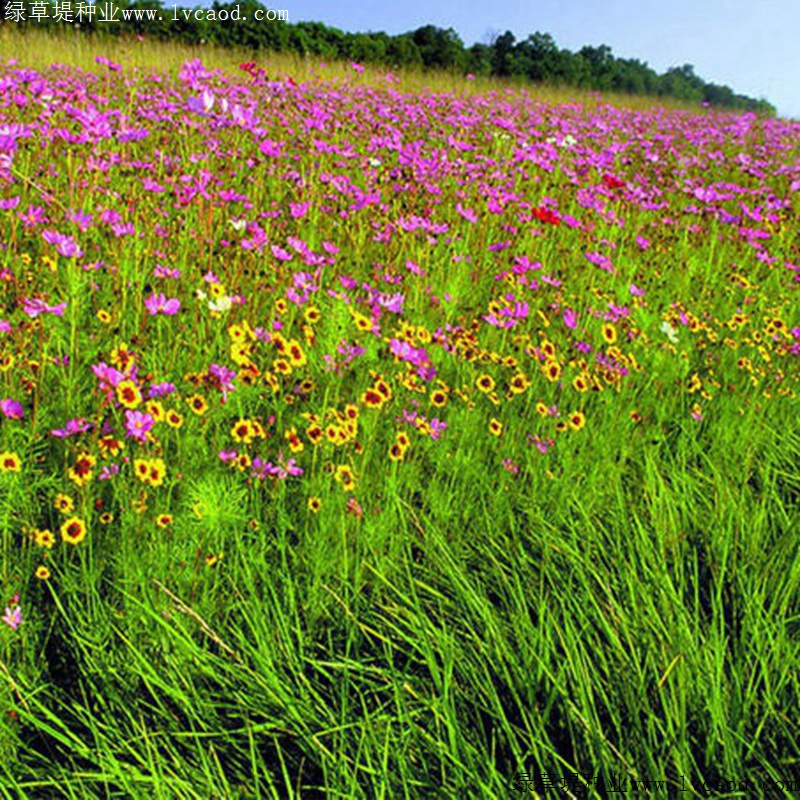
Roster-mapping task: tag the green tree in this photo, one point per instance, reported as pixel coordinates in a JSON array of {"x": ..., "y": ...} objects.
[
  {"x": 502, "y": 54},
  {"x": 440, "y": 49},
  {"x": 479, "y": 60},
  {"x": 402, "y": 51}
]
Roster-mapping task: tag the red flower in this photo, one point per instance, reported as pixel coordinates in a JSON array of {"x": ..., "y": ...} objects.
[
  {"x": 613, "y": 183},
  {"x": 547, "y": 216}
]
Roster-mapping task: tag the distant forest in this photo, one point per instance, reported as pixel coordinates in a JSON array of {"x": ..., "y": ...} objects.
[{"x": 536, "y": 58}]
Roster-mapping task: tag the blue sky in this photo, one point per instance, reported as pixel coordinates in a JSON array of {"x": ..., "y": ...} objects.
[{"x": 750, "y": 45}]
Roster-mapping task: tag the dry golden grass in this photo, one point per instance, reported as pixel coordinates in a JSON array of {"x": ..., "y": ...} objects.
[{"x": 39, "y": 49}]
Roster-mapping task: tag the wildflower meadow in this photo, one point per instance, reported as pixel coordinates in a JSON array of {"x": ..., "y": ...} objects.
[{"x": 360, "y": 438}]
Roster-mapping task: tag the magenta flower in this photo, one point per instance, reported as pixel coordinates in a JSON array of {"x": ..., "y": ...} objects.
[
  {"x": 11, "y": 409},
  {"x": 298, "y": 210},
  {"x": 33, "y": 216},
  {"x": 137, "y": 425},
  {"x": 13, "y": 616},
  {"x": 403, "y": 350},
  {"x": 286, "y": 468},
  {"x": 437, "y": 427},
  {"x": 600, "y": 260},
  {"x": 157, "y": 303},
  {"x": 161, "y": 389},
  {"x": 162, "y": 271},
  {"x": 65, "y": 245},
  {"x": 281, "y": 254},
  {"x": 570, "y": 318},
  {"x": 228, "y": 456},
  {"x": 393, "y": 302},
  {"x": 222, "y": 378},
  {"x": 263, "y": 469},
  {"x": 72, "y": 428},
  {"x": 109, "y": 377},
  {"x": 36, "y": 306},
  {"x": 468, "y": 214},
  {"x": 511, "y": 466},
  {"x": 112, "y": 65},
  {"x": 108, "y": 472}
]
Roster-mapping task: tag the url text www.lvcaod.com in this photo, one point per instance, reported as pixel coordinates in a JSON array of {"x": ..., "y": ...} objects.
[{"x": 66, "y": 11}]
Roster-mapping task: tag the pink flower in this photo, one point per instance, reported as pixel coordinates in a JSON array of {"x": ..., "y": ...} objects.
[
  {"x": 108, "y": 376},
  {"x": 161, "y": 389},
  {"x": 511, "y": 466},
  {"x": 108, "y": 472},
  {"x": 65, "y": 245},
  {"x": 11, "y": 409},
  {"x": 354, "y": 508},
  {"x": 137, "y": 425},
  {"x": 222, "y": 378},
  {"x": 72, "y": 428},
  {"x": 35, "y": 307},
  {"x": 13, "y": 615},
  {"x": 298, "y": 210},
  {"x": 600, "y": 260},
  {"x": 468, "y": 214},
  {"x": 570, "y": 318},
  {"x": 159, "y": 304},
  {"x": 281, "y": 254}
]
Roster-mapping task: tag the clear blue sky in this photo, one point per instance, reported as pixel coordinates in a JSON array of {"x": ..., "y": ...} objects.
[{"x": 753, "y": 46}]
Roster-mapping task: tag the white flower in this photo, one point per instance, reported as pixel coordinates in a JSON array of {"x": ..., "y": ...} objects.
[
  {"x": 221, "y": 305},
  {"x": 671, "y": 333}
]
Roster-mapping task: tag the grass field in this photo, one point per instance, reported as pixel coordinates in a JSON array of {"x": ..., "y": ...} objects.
[{"x": 375, "y": 436}]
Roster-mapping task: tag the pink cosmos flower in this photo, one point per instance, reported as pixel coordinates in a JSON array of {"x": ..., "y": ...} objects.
[
  {"x": 468, "y": 214},
  {"x": 137, "y": 425},
  {"x": 65, "y": 245},
  {"x": 108, "y": 376},
  {"x": 36, "y": 306},
  {"x": 298, "y": 210},
  {"x": 511, "y": 466},
  {"x": 157, "y": 303},
  {"x": 570, "y": 318},
  {"x": 600, "y": 260},
  {"x": 222, "y": 378},
  {"x": 161, "y": 389},
  {"x": 13, "y": 615},
  {"x": 108, "y": 472},
  {"x": 72, "y": 428},
  {"x": 11, "y": 409}
]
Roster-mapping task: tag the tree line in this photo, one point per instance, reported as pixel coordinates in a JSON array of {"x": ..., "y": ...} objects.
[{"x": 536, "y": 58}]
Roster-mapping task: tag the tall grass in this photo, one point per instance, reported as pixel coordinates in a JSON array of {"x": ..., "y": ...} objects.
[
  {"x": 39, "y": 49},
  {"x": 587, "y": 574}
]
